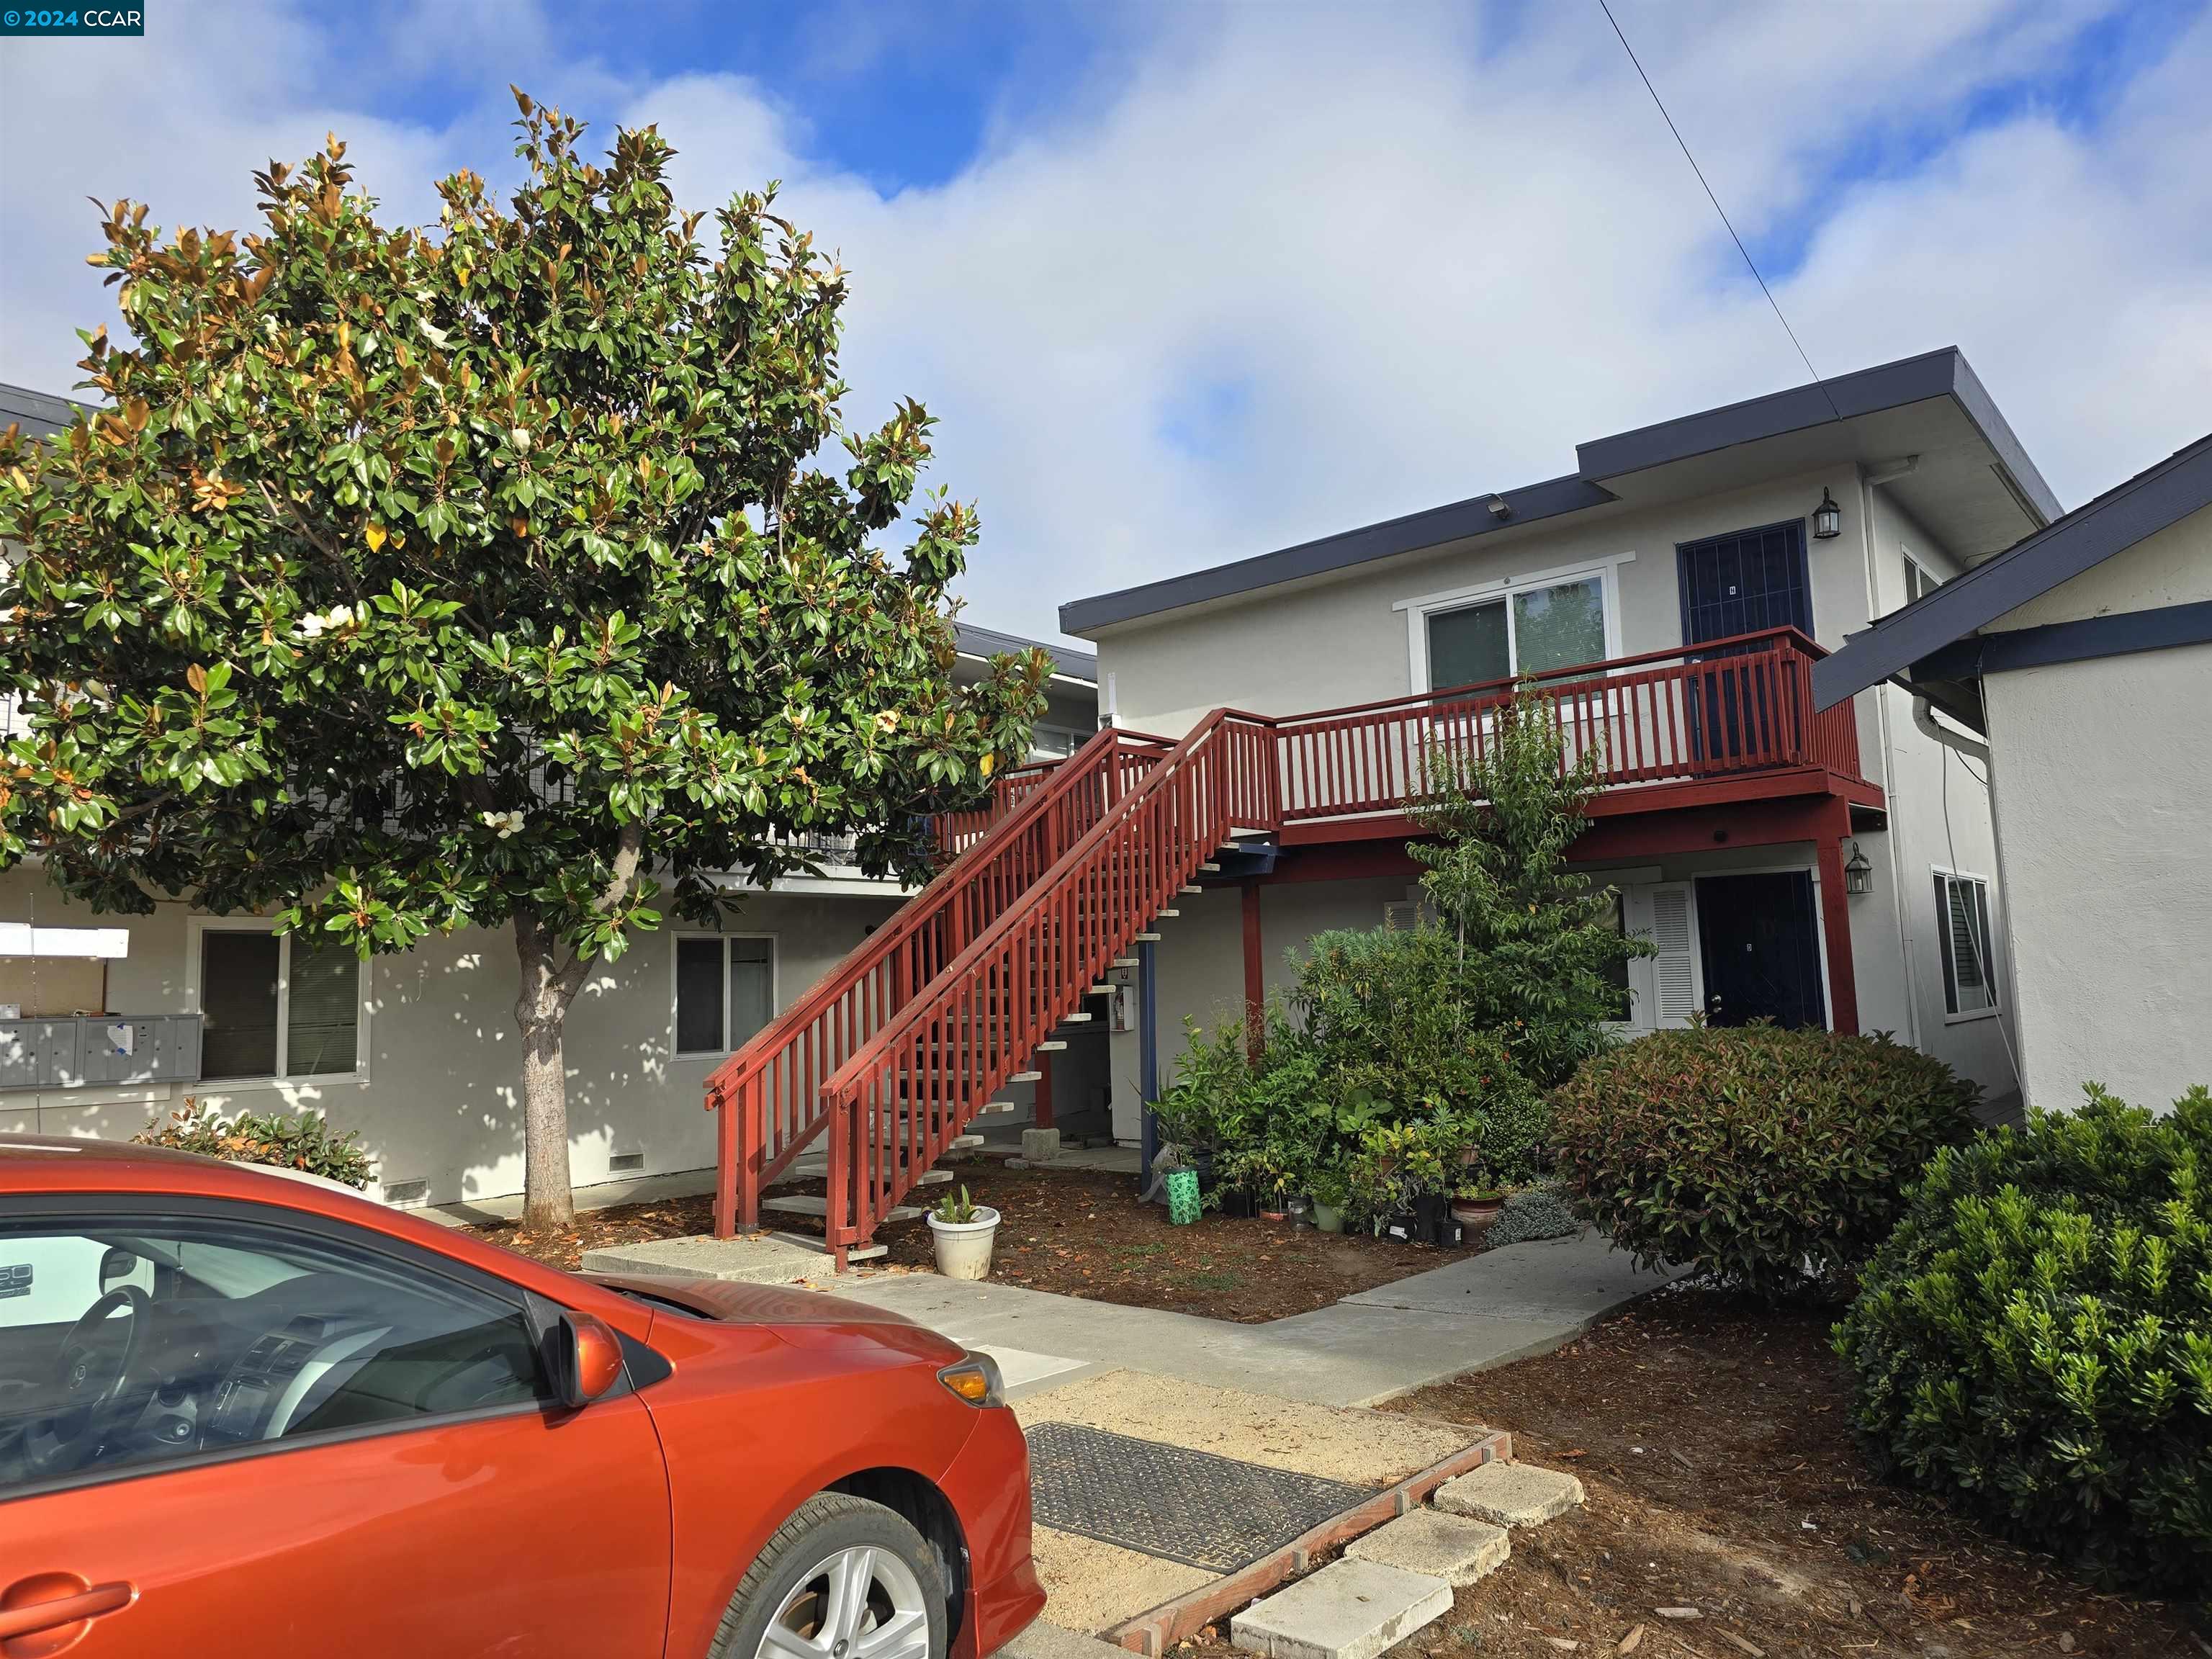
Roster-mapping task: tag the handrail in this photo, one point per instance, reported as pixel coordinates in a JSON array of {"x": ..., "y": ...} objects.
[
  {"x": 986, "y": 1009},
  {"x": 1802, "y": 641},
  {"x": 765, "y": 1094}
]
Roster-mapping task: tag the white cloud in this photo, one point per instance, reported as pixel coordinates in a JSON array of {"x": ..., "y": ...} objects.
[{"x": 1377, "y": 257}]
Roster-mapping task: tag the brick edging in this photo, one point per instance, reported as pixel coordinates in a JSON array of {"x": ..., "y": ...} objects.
[{"x": 1154, "y": 1631}]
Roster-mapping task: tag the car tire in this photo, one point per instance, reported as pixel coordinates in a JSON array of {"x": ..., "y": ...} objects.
[{"x": 832, "y": 1534}]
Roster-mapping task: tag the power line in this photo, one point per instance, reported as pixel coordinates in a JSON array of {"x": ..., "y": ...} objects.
[{"x": 1749, "y": 262}]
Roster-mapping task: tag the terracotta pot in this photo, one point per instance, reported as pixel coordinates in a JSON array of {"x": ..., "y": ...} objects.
[{"x": 1476, "y": 1213}]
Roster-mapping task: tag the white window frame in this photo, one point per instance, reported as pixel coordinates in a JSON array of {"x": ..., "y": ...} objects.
[
  {"x": 198, "y": 927},
  {"x": 775, "y": 987},
  {"x": 1419, "y": 610},
  {"x": 1945, "y": 873}
]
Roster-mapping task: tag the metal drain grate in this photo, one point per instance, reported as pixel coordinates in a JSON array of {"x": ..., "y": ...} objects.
[{"x": 1180, "y": 1505}]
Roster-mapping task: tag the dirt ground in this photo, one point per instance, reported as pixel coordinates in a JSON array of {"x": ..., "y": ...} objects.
[
  {"x": 1711, "y": 1437},
  {"x": 1080, "y": 1234}
]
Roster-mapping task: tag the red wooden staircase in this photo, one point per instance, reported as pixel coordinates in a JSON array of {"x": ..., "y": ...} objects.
[
  {"x": 770, "y": 1096},
  {"x": 890, "y": 1058}
]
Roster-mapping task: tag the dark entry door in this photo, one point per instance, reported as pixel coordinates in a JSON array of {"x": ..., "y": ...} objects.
[
  {"x": 1760, "y": 943},
  {"x": 1741, "y": 583}
]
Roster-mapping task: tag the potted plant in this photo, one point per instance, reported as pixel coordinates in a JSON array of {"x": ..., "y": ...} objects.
[
  {"x": 1331, "y": 1191},
  {"x": 1475, "y": 1206},
  {"x": 962, "y": 1232}
]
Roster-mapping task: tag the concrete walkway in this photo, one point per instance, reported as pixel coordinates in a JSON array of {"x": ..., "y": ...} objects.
[{"x": 1479, "y": 1311}]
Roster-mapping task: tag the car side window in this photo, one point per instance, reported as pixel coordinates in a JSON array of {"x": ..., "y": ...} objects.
[{"x": 128, "y": 1339}]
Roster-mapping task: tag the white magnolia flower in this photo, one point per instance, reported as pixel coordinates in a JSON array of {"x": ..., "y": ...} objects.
[{"x": 506, "y": 824}]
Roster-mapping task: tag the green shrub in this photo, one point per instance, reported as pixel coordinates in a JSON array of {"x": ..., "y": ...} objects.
[
  {"x": 1532, "y": 1215},
  {"x": 2034, "y": 1341},
  {"x": 1774, "y": 1160},
  {"x": 301, "y": 1142}
]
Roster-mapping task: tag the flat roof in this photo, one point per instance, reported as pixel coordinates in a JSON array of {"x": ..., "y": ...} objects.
[
  {"x": 1068, "y": 663},
  {"x": 1943, "y": 373},
  {"x": 2141, "y": 507},
  {"x": 40, "y": 414}
]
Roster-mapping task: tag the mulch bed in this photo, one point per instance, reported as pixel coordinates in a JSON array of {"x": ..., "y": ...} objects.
[
  {"x": 1074, "y": 1232},
  {"x": 1085, "y": 1235},
  {"x": 1711, "y": 1438}
]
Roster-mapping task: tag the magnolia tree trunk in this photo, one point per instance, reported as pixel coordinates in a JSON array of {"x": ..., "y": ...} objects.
[{"x": 541, "y": 1009}]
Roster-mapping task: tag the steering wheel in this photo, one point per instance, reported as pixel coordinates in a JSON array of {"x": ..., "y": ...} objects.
[{"x": 90, "y": 1380}]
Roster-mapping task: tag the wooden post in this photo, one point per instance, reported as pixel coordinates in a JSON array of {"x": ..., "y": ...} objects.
[
  {"x": 1835, "y": 823},
  {"x": 1256, "y": 989}
]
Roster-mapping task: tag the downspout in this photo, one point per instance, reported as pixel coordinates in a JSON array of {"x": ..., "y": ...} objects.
[
  {"x": 1867, "y": 483},
  {"x": 1924, "y": 716}
]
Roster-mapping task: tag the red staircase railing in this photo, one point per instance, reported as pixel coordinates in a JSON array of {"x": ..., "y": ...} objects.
[
  {"x": 925, "y": 1073},
  {"x": 767, "y": 1096}
]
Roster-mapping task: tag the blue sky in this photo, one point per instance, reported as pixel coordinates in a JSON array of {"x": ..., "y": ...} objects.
[{"x": 1187, "y": 281}]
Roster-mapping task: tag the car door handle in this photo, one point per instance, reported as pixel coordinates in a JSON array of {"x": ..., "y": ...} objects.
[{"x": 27, "y": 1617}]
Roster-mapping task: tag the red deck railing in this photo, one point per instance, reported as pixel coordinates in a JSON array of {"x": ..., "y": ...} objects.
[
  {"x": 767, "y": 1094},
  {"x": 907, "y": 1040}
]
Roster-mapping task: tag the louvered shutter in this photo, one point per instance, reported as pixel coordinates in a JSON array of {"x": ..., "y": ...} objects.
[{"x": 1674, "y": 969}]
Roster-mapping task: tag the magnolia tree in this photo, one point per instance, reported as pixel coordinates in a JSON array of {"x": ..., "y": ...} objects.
[{"x": 480, "y": 577}]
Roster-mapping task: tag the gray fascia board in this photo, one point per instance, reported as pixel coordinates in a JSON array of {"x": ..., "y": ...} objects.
[
  {"x": 986, "y": 642},
  {"x": 2115, "y": 521},
  {"x": 1886, "y": 385},
  {"x": 1431, "y": 527}
]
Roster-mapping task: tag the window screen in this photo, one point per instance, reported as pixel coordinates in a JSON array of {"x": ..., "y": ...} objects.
[
  {"x": 239, "y": 973},
  {"x": 1468, "y": 646},
  {"x": 322, "y": 1006},
  {"x": 753, "y": 988},
  {"x": 699, "y": 996},
  {"x": 1962, "y": 909}
]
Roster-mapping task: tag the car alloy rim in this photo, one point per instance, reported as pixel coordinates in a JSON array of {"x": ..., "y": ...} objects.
[{"x": 860, "y": 1603}]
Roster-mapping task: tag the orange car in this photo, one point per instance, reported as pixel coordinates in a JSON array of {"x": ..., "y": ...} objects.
[{"x": 246, "y": 1414}]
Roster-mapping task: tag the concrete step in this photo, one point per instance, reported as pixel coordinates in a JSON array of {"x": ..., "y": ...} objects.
[
  {"x": 1510, "y": 1494},
  {"x": 1000, "y": 1106},
  {"x": 1128, "y": 962},
  {"x": 858, "y": 1253},
  {"x": 1100, "y": 990},
  {"x": 1050, "y": 1046},
  {"x": 1148, "y": 938},
  {"x": 1170, "y": 912},
  {"x": 1025, "y": 1077},
  {"x": 1192, "y": 887},
  {"x": 1348, "y": 1610},
  {"x": 1447, "y": 1547},
  {"x": 1211, "y": 868},
  {"x": 1075, "y": 1019},
  {"x": 818, "y": 1169},
  {"x": 812, "y": 1204},
  {"x": 748, "y": 1259}
]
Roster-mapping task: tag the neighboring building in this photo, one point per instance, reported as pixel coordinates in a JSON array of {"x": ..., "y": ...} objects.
[
  {"x": 2083, "y": 654},
  {"x": 1735, "y": 814},
  {"x": 418, "y": 1051}
]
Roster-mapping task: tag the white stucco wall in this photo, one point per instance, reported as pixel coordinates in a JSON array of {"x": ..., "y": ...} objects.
[
  {"x": 438, "y": 1097},
  {"x": 2104, "y": 786},
  {"x": 1289, "y": 650}
]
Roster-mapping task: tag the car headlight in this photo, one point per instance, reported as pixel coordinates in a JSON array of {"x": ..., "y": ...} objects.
[{"x": 976, "y": 1379}]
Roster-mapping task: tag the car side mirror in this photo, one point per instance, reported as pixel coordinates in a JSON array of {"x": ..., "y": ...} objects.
[{"x": 589, "y": 1359}]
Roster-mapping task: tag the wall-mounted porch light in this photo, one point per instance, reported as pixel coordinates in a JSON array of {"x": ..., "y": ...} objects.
[
  {"x": 1827, "y": 518},
  {"x": 1858, "y": 874}
]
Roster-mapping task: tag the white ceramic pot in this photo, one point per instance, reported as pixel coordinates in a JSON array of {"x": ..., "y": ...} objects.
[{"x": 963, "y": 1247}]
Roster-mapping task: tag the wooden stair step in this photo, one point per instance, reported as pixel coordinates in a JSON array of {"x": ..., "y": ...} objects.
[
  {"x": 1000, "y": 1106},
  {"x": 1075, "y": 1019},
  {"x": 1169, "y": 913},
  {"x": 1050, "y": 1046},
  {"x": 1211, "y": 867},
  {"x": 1148, "y": 938},
  {"x": 815, "y": 1204},
  {"x": 1025, "y": 1077},
  {"x": 1128, "y": 962},
  {"x": 1192, "y": 887}
]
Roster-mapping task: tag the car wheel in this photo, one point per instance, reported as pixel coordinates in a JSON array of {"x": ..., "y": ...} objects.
[{"x": 843, "y": 1578}]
